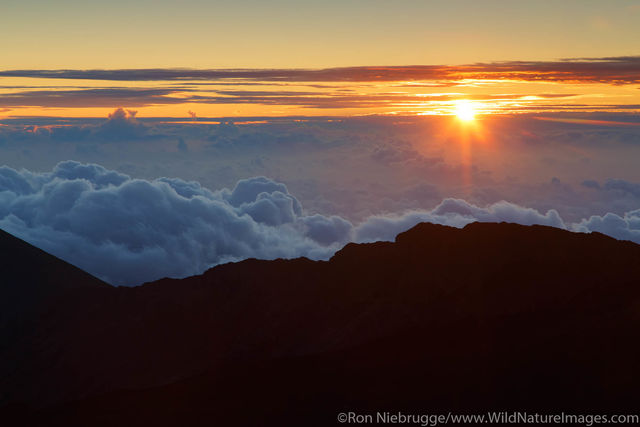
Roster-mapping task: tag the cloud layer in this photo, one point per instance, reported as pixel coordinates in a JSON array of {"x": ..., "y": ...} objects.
[
  {"x": 580, "y": 165},
  {"x": 128, "y": 231},
  {"x": 613, "y": 70},
  {"x": 334, "y": 91}
]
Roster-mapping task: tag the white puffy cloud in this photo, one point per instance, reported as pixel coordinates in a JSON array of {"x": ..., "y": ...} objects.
[
  {"x": 128, "y": 231},
  {"x": 625, "y": 227},
  {"x": 456, "y": 213}
]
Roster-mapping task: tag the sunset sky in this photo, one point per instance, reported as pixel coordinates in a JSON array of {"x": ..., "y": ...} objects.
[
  {"x": 287, "y": 58},
  {"x": 179, "y": 135}
]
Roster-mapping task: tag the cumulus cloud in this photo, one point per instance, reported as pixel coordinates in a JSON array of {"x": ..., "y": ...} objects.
[
  {"x": 456, "y": 213},
  {"x": 128, "y": 231},
  {"x": 625, "y": 227},
  {"x": 121, "y": 125}
]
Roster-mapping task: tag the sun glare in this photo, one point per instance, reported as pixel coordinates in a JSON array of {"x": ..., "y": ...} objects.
[{"x": 465, "y": 110}]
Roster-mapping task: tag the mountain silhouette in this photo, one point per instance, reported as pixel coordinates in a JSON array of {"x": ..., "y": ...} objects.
[{"x": 488, "y": 317}]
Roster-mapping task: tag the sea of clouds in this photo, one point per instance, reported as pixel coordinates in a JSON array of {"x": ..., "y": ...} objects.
[{"x": 128, "y": 231}]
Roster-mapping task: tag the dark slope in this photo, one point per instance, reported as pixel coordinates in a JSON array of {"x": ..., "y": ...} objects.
[
  {"x": 32, "y": 284},
  {"x": 28, "y": 275},
  {"x": 489, "y": 317}
]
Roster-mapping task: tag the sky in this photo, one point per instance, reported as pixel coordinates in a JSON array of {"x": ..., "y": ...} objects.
[
  {"x": 304, "y": 34},
  {"x": 254, "y": 58},
  {"x": 150, "y": 139}
]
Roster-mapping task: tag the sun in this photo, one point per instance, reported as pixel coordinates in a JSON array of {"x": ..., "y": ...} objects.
[{"x": 465, "y": 110}]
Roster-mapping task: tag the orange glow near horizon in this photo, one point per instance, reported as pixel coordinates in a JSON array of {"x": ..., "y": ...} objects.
[{"x": 467, "y": 99}]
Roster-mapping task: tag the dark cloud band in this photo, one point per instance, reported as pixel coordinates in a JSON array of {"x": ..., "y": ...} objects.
[
  {"x": 133, "y": 97},
  {"x": 612, "y": 70}
]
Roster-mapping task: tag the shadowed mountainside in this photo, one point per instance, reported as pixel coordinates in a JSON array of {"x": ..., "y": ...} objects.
[{"x": 488, "y": 317}]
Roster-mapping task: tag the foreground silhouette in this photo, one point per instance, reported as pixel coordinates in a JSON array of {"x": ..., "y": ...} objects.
[{"x": 488, "y": 317}]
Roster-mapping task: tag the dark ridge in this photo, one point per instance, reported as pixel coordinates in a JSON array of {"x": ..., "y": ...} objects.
[
  {"x": 489, "y": 317},
  {"x": 29, "y": 276},
  {"x": 24, "y": 265}
]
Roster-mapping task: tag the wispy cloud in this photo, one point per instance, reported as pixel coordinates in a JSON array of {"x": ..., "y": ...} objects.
[
  {"x": 506, "y": 87},
  {"x": 96, "y": 97},
  {"x": 612, "y": 70},
  {"x": 135, "y": 97}
]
